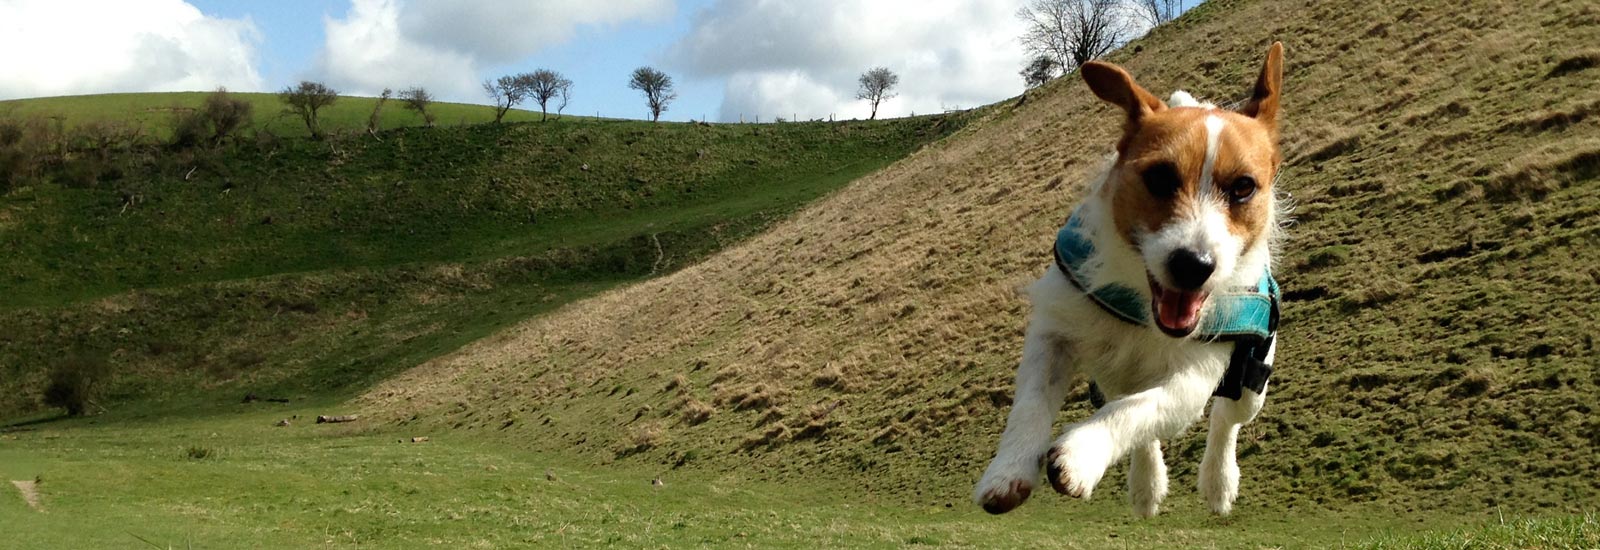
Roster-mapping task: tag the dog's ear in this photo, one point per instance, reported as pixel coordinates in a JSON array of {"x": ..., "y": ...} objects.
[
  {"x": 1115, "y": 86},
  {"x": 1263, "y": 104}
]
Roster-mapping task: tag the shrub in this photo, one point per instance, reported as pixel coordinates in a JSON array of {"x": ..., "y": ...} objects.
[
  {"x": 225, "y": 113},
  {"x": 74, "y": 382},
  {"x": 24, "y": 143},
  {"x": 375, "y": 120},
  {"x": 217, "y": 119},
  {"x": 306, "y": 100},
  {"x": 418, "y": 99},
  {"x": 189, "y": 129}
]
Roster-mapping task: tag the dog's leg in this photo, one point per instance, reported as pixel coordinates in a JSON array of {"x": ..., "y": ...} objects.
[
  {"x": 1040, "y": 389},
  {"x": 1219, "y": 470},
  {"x": 1079, "y": 458},
  {"x": 1147, "y": 479}
]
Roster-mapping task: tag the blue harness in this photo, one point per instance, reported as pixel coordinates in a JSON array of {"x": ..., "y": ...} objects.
[{"x": 1248, "y": 316}]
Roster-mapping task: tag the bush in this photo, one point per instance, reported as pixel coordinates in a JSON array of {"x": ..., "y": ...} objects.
[
  {"x": 189, "y": 129},
  {"x": 306, "y": 100},
  {"x": 418, "y": 99},
  {"x": 24, "y": 143},
  {"x": 219, "y": 117},
  {"x": 74, "y": 382}
]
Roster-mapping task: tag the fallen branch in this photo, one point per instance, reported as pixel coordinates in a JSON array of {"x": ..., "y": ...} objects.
[{"x": 252, "y": 398}]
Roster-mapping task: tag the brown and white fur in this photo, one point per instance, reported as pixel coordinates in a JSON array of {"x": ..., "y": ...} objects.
[{"x": 1185, "y": 208}]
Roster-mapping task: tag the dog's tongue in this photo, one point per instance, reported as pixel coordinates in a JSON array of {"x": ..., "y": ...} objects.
[{"x": 1178, "y": 310}]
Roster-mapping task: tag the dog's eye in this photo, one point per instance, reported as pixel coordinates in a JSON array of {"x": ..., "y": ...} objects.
[
  {"x": 1243, "y": 188},
  {"x": 1162, "y": 180}
]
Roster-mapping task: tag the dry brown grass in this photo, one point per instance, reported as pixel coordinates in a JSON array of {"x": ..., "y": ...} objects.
[
  {"x": 696, "y": 411},
  {"x": 906, "y": 280},
  {"x": 646, "y": 436}
]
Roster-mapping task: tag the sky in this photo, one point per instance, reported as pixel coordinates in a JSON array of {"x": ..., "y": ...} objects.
[{"x": 729, "y": 59}]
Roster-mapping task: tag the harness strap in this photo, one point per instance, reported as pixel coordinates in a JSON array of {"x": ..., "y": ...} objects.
[{"x": 1249, "y": 318}]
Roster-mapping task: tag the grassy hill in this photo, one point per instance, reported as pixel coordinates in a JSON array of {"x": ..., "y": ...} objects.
[
  {"x": 297, "y": 267},
  {"x": 156, "y": 112},
  {"x": 1438, "y": 355},
  {"x": 840, "y": 378}
]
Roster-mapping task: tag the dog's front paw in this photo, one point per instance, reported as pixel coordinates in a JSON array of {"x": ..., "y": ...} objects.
[
  {"x": 1005, "y": 486},
  {"x": 1076, "y": 462},
  {"x": 1219, "y": 483}
]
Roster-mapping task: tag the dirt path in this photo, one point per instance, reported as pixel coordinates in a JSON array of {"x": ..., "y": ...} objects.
[{"x": 30, "y": 493}]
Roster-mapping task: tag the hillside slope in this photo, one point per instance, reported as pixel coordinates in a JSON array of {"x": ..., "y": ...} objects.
[
  {"x": 414, "y": 194},
  {"x": 1438, "y": 349},
  {"x": 309, "y": 269}
]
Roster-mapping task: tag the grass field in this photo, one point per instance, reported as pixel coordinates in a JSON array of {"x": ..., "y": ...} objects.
[{"x": 226, "y": 476}]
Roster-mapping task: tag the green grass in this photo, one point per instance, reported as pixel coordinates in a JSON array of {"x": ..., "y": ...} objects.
[
  {"x": 155, "y": 112},
  {"x": 225, "y": 474},
  {"x": 419, "y": 195},
  {"x": 1569, "y": 532},
  {"x": 1440, "y": 282},
  {"x": 300, "y": 267}
]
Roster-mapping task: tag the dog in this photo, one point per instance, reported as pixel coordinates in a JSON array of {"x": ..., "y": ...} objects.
[{"x": 1161, "y": 295}]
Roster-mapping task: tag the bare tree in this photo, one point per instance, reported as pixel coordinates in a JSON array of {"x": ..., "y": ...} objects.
[
  {"x": 418, "y": 99},
  {"x": 507, "y": 91},
  {"x": 875, "y": 86},
  {"x": 657, "y": 88},
  {"x": 375, "y": 119},
  {"x": 1156, "y": 12},
  {"x": 1040, "y": 70},
  {"x": 566, "y": 97},
  {"x": 1073, "y": 32},
  {"x": 306, "y": 99},
  {"x": 544, "y": 85}
]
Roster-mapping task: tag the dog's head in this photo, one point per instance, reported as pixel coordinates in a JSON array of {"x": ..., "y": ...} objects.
[{"x": 1191, "y": 190}]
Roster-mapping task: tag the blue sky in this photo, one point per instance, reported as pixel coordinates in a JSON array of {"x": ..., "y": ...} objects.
[
  {"x": 730, "y": 59},
  {"x": 598, "y": 59}
]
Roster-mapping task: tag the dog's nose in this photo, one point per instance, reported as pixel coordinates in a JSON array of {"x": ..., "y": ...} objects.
[{"x": 1190, "y": 269}]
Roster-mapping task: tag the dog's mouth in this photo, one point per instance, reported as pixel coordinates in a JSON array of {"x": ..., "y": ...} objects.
[{"x": 1177, "y": 312}]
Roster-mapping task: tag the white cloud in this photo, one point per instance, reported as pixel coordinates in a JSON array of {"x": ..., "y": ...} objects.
[
  {"x": 445, "y": 45},
  {"x": 496, "y": 31},
  {"x": 366, "y": 52},
  {"x": 56, "y": 47},
  {"x": 794, "y": 58}
]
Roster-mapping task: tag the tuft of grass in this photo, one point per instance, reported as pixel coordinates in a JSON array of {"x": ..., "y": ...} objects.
[
  {"x": 696, "y": 411},
  {"x": 1537, "y": 174},
  {"x": 196, "y": 452},
  {"x": 831, "y": 376},
  {"x": 1575, "y": 63},
  {"x": 1328, "y": 256},
  {"x": 677, "y": 382},
  {"x": 647, "y": 436}
]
